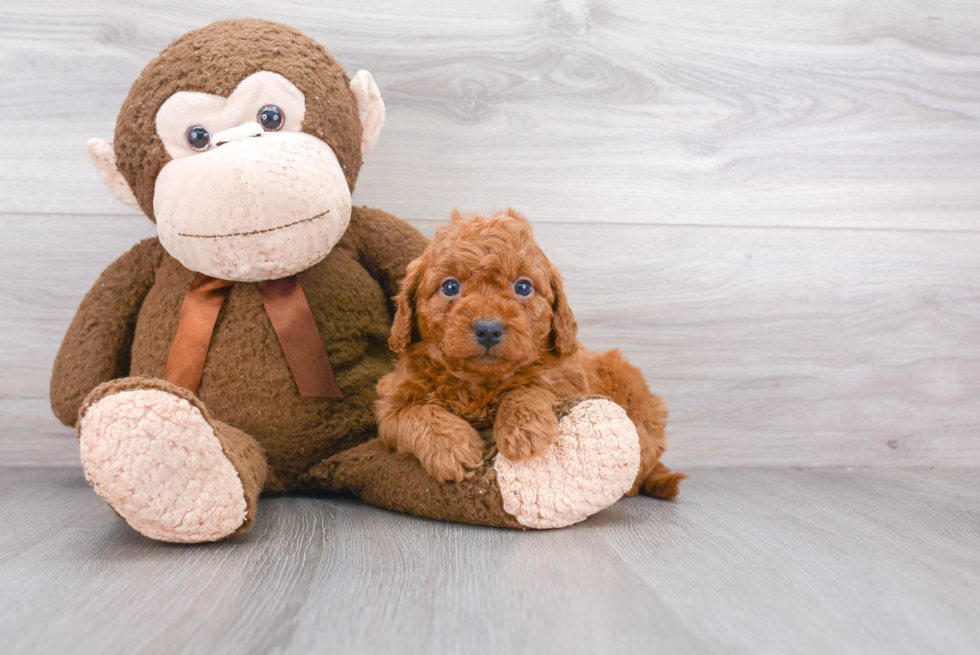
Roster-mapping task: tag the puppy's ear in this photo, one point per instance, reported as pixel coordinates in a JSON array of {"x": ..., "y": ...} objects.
[
  {"x": 517, "y": 216},
  {"x": 403, "y": 327},
  {"x": 564, "y": 329}
]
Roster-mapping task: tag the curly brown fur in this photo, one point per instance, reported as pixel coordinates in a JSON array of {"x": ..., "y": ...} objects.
[{"x": 515, "y": 386}]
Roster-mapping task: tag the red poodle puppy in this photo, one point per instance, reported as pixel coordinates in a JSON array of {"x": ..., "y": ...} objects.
[{"x": 487, "y": 340}]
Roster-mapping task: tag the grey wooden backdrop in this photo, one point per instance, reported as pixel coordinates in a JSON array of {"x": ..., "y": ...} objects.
[{"x": 773, "y": 208}]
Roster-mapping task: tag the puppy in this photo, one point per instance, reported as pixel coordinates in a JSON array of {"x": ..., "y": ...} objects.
[{"x": 487, "y": 341}]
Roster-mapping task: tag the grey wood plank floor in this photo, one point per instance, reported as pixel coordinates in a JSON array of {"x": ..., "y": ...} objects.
[{"x": 746, "y": 561}]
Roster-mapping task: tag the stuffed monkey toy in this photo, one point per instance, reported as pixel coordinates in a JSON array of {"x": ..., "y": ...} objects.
[{"x": 237, "y": 353}]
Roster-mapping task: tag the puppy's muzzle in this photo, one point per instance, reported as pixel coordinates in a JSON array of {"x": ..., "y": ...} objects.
[{"x": 488, "y": 332}]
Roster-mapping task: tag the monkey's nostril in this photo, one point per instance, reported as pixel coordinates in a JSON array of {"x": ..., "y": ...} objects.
[{"x": 488, "y": 332}]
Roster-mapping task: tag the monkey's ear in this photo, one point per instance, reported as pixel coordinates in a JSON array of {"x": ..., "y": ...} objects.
[
  {"x": 103, "y": 155},
  {"x": 370, "y": 109}
]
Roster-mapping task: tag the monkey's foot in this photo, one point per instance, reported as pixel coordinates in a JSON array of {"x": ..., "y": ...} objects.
[
  {"x": 156, "y": 459},
  {"x": 590, "y": 466}
]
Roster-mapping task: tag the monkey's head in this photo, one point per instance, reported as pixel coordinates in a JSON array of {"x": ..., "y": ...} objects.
[{"x": 243, "y": 141}]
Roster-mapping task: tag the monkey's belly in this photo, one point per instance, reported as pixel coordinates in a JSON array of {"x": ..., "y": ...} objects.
[
  {"x": 260, "y": 397},
  {"x": 247, "y": 382}
]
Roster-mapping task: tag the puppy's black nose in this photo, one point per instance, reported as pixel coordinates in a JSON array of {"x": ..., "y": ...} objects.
[{"x": 488, "y": 332}]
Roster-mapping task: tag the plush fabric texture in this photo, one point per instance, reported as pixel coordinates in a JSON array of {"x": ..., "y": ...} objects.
[
  {"x": 214, "y": 59},
  {"x": 370, "y": 109},
  {"x": 157, "y": 461},
  {"x": 591, "y": 465},
  {"x": 242, "y": 451},
  {"x": 284, "y": 193},
  {"x": 229, "y": 118},
  {"x": 103, "y": 157},
  {"x": 127, "y": 322},
  {"x": 99, "y": 342}
]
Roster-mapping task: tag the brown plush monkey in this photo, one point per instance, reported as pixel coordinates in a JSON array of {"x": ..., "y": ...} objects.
[{"x": 238, "y": 352}]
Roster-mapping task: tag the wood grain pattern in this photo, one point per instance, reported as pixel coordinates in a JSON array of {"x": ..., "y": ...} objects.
[
  {"x": 746, "y": 561},
  {"x": 818, "y": 347},
  {"x": 772, "y": 210},
  {"x": 843, "y": 113}
]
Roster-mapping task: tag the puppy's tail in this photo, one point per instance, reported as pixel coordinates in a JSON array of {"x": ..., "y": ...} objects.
[{"x": 662, "y": 483}]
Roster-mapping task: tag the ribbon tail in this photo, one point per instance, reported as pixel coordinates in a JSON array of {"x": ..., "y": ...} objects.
[
  {"x": 292, "y": 319},
  {"x": 198, "y": 314}
]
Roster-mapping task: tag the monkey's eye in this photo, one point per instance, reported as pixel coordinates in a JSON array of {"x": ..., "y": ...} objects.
[
  {"x": 450, "y": 287},
  {"x": 198, "y": 138},
  {"x": 523, "y": 287},
  {"x": 271, "y": 118}
]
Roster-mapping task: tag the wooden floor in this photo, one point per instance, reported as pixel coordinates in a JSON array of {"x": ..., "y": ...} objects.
[{"x": 747, "y": 561}]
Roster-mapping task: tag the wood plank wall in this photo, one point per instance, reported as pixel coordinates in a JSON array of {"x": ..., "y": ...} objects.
[{"x": 772, "y": 208}]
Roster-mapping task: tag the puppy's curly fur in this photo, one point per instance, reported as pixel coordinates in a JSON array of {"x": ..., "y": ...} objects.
[{"x": 449, "y": 384}]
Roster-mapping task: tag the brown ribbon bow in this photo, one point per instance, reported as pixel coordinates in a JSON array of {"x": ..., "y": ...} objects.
[{"x": 291, "y": 317}]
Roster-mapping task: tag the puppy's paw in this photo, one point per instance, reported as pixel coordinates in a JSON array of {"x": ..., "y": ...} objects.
[
  {"x": 450, "y": 450},
  {"x": 518, "y": 440}
]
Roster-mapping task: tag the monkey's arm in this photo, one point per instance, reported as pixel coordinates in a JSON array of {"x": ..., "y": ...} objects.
[
  {"x": 386, "y": 245},
  {"x": 96, "y": 348}
]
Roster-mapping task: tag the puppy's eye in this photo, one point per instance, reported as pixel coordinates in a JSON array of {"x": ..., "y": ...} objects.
[
  {"x": 271, "y": 118},
  {"x": 198, "y": 138},
  {"x": 450, "y": 287},
  {"x": 523, "y": 287}
]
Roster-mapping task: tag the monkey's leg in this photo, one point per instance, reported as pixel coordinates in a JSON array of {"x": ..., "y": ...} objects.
[
  {"x": 153, "y": 452},
  {"x": 590, "y": 466}
]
